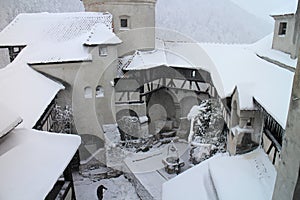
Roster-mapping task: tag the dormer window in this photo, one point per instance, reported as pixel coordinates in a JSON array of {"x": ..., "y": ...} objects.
[
  {"x": 282, "y": 28},
  {"x": 124, "y": 22}
]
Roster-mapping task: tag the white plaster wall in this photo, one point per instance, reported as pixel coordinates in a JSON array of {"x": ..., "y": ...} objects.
[
  {"x": 141, "y": 14},
  {"x": 285, "y": 42},
  {"x": 89, "y": 113}
]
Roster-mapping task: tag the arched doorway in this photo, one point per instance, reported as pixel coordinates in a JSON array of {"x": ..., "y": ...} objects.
[
  {"x": 128, "y": 124},
  {"x": 163, "y": 111}
]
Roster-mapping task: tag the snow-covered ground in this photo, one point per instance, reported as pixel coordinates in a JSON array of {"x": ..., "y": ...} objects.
[{"x": 117, "y": 188}]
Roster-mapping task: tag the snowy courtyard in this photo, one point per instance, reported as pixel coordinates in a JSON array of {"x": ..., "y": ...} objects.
[
  {"x": 149, "y": 100},
  {"x": 118, "y": 188}
]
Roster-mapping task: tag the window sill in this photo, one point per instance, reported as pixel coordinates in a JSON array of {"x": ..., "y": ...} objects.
[{"x": 124, "y": 29}]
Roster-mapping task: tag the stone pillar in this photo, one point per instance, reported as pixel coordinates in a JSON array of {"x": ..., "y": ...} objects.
[{"x": 288, "y": 168}]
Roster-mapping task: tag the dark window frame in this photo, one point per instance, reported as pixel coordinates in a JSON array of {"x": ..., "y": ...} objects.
[
  {"x": 124, "y": 23},
  {"x": 282, "y": 28}
]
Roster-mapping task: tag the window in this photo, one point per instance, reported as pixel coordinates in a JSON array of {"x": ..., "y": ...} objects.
[
  {"x": 16, "y": 49},
  {"x": 282, "y": 28},
  {"x": 88, "y": 93},
  {"x": 193, "y": 73},
  {"x": 99, "y": 91},
  {"x": 102, "y": 51},
  {"x": 249, "y": 123},
  {"x": 124, "y": 23}
]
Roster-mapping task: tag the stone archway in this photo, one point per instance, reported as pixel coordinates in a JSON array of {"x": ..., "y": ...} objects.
[
  {"x": 128, "y": 124},
  {"x": 186, "y": 105},
  {"x": 163, "y": 110}
]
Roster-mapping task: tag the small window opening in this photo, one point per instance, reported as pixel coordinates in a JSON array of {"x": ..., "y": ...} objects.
[
  {"x": 282, "y": 28},
  {"x": 88, "y": 92},
  {"x": 99, "y": 91},
  {"x": 249, "y": 122},
  {"x": 193, "y": 73},
  {"x": 16, "y": 49},
  {"x": 124, "y": 23},
  {"x": 102, "y": 51}
]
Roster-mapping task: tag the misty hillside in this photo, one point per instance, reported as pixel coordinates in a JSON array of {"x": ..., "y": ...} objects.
[
  {"x": 11, "y": 8},
  {"x": 211, "y": 20},
  {"x": 263, "y": 9}
]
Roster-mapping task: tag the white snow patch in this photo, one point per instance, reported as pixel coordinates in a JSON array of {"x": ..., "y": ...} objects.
[
  {"x": 193, "y": 184},
  {"x": 143, "y": 119},
  {"x": 117, "y": 188},
  {"x": 238, "y": 130},
  {"x": 251, "y": 176},
  {"x": 141, "y": 60},
  {"x": 100, "y": 34}
]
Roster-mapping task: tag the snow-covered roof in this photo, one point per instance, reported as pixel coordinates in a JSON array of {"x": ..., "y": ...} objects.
[
  {"x": 231, "y": 66},
  {"x": 26, "y": 92},
  {"x": 249, "y": 176},
  {"x": 263, "y": 48},
  {"x": 141, "y": 60},
  {"x": 100, "y": 34},
  {"x": 289, "y": 7},
  {"x": 32, "y": 161},
  {"x": 240, "y": 67},
  {"x": 58, "y": 37},
  {"x": 166, "y": 54},
  {"x": 8, "y": 120}
]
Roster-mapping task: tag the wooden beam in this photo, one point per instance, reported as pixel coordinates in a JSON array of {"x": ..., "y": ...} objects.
[
  {"x": 198, "y": 87},
  {"x": 183, "y": 84},
  {"x": 158, "y": 85},
  {"x": 122, "y": 95},
  {"x": 270, "y": 148},
  {"x": 274, "y": 141},
  {"x": 274, "y": 157},
  {"x": 128, "y": 96}
]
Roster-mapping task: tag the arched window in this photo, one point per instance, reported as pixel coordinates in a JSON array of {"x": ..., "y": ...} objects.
[
  {"x": 99, "y": 91},
  {"x": 88, "y": 92}
]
